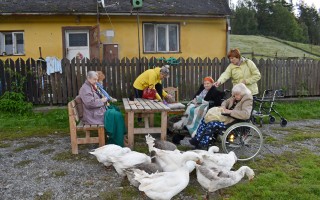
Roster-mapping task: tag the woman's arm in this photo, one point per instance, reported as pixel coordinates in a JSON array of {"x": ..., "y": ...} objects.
[
  {"x": 255, "y": 73},
  {"x": 225, "y": 75},
  {"x": 244, "y": 112}
]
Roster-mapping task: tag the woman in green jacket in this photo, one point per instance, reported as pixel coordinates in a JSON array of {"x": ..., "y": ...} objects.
[{"x": 241, "y": 70}]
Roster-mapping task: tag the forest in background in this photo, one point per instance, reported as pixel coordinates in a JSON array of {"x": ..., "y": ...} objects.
[{"x": 277, "y": 18}]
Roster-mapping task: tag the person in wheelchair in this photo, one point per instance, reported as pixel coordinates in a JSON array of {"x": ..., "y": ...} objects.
[
  {"x": 206, "y": 97},
  {"x": 237, "y": 107}
]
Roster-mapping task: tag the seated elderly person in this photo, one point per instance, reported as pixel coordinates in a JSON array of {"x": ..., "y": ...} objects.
[
  {"x": 206, "y": 97},
  {"x": 95, "y": 111},
  {"x": 238, "y": 106}
]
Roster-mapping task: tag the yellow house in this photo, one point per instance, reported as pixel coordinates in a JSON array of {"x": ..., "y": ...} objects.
[{"x": 108, "y": 29}]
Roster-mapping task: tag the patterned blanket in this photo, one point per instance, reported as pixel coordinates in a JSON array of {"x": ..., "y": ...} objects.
[{"x": 193, "y": 116}]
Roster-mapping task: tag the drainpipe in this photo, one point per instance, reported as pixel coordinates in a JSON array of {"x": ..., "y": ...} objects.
[{"x": 228, "y": 29}]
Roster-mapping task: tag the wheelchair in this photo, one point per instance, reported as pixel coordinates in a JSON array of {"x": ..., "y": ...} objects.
[{"x": 241, "y": 136}]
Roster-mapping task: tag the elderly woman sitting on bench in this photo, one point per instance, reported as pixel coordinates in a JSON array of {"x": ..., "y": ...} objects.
[{"x": 95, "y": 111}]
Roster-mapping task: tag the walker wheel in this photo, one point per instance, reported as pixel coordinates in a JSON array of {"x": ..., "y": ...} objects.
[
  {"x": 283, "y": 122},
  {"x": 272, "y": 119}
]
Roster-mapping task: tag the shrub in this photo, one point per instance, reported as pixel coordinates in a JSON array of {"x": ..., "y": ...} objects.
[{"x": 13, "y": 102}]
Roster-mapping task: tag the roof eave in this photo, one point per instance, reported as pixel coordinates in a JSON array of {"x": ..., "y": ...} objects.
[{"x": 123, "y": 14}]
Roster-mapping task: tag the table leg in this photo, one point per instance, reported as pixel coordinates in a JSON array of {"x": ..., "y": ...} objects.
[
  {"x": 126, "y": 119},
  {"x": 130, "y": 129},
  {"x": 164, "y": 122}
]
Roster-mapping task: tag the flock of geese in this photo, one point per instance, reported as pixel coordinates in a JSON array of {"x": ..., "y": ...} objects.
[{"x": 165, "y": 173}]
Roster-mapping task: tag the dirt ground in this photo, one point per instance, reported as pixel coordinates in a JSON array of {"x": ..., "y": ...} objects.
[{"x": 44, "y": 168}]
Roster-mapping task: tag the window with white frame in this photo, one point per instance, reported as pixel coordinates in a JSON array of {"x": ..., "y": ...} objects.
[
  {"x": 11, "y": 43},
  {"x": 160, "y": 38}
]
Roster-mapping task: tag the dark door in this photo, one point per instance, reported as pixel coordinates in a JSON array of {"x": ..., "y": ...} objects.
[{"x": 110, "y": 52}]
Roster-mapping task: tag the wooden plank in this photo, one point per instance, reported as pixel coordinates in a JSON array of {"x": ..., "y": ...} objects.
[
  {"x": 23, "y": 74},
  {"x": 8, "y": 74},
  {"x": 164, "y": 122},
  {"x": 83, "y": 72},
  {"x": 183, "y": 86},
  {"x": 35, "y": 90},
  {"x": 128, "y": 85},
  {"x": 123, "y": 78},
  {"x": 29, "y": 81},
  {"x": 114, "y": 79},
  {"x": 143, "y": 103},
  {"x": 2, "y": 78},
  {"x": 192, "y": 78},
  {"x": 119, "y": 79},
  {"x": 54, "y": 88},
  {"x": 151, "y": 105},
  {"x": 90, "y": 140},
  {"x": 163, "y": 106},
  {"x": 126, "y": 105},
  {"x": 156, "y": 104},
  {"x": 146, "y": 130},
  {"x": 68, "y": 78},
  {"x": 73, "y": 78},
  {"x": 130, "y": 126},
  {"x": 78, "y": 75},
  {"x": 63, "y": 81},
  {"x": 58, "y": 86}
]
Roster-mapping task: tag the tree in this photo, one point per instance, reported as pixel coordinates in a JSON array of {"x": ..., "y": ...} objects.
[
  {"x": 310, "y": 17},
  {"x": 244, "y": 21}
]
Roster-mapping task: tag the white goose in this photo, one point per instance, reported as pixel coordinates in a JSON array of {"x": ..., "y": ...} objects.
[
  {"x": 149, "y": 168},
  {"x": 103, "y": 153},
  {"x": 164, "y": 185},
  {"x": 128, "y": 160},
  {"x": 172, "y": 160},
  {"x": 214, "y": 179},
  {"x": 159, "y": 144},
  {"x": 211, "y": 150},
  {"x": 222, "y": 161}
]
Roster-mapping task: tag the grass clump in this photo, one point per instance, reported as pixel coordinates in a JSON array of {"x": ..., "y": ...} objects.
[
  {"x": 4, "y": 145},
  {"x": 23, "y": 163},
  {"x": 124, "y": 193},
  {"x": 58, "y": 173},
  {"x": 47, "y": 195},
  {"x": 29, "y": 146},
  {"x": 47, "y": 151}
]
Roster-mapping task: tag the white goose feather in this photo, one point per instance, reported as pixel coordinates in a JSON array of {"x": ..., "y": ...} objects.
[
  {"x": 214, "y": 179},
  {"x": 103, "y": 153}
]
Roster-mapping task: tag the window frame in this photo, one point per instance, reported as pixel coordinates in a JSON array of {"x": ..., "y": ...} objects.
[
  {"x": 14, "y": 43},
  {"x": 156, "y": 47}
]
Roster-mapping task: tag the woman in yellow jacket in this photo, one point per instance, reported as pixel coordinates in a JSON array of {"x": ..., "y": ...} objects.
[
  {"x": 152, "y": 78},
  {"x": 241, "y": 70}
]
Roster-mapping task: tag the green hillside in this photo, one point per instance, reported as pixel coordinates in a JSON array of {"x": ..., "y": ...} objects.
[{"x": 269, "y": 48}]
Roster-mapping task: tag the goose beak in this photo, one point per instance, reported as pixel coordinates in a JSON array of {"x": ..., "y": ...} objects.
[{"x": 251, "y": 178}]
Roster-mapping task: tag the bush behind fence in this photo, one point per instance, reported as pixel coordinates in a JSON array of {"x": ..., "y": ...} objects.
[{"x": 295, "y": 77}]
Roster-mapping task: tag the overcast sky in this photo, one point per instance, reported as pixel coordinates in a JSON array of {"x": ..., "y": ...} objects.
[{"x": 316, "y": 3}]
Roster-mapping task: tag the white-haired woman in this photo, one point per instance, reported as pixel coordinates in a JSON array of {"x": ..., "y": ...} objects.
[
  {"x": 94, "y": 110},
  {"x": 238, "y": 106}
]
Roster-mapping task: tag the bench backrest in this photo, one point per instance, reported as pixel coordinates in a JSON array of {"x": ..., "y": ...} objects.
[
  {"x": 174, "y": 92},
  {"x": 75, "y": 108}
]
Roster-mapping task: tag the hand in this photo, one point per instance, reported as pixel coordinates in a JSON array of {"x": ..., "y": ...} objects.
[
  {"x": 194, "y": 101},
  {"x": 104, "y": 99},
  {"x": 113, "y": 100},
  {"x": 217, "y": 84},
  {"x": 169, "y": 96},
  {"x": 226, "y": 110}
]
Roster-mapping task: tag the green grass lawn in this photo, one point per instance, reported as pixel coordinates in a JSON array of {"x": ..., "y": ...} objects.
[{"x": 269, "y": 47}]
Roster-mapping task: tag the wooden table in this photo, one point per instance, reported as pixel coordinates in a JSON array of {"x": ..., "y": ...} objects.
[{"x": 147, "y": 109}]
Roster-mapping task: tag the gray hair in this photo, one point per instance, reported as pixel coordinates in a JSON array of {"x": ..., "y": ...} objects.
[
  {"x": 165, "y": 70},
  {"x": 92, "y": 74},
  {"x": 241, "y": 89}
]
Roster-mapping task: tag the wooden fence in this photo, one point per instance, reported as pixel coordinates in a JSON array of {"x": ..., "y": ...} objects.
[{"x": 295, "y": 77}]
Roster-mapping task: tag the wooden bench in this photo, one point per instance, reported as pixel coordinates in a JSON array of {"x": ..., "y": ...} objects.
[{"x": 75, "y": 110}]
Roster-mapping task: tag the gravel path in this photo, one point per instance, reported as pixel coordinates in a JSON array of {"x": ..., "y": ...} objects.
[{"x": 44, "y": 168}]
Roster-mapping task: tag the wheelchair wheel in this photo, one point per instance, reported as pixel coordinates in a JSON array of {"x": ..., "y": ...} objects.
[
  {"x": 283, "y": 122},
  {"x": 272, "y": 119},
  {"x": 244, "y": 139}
]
